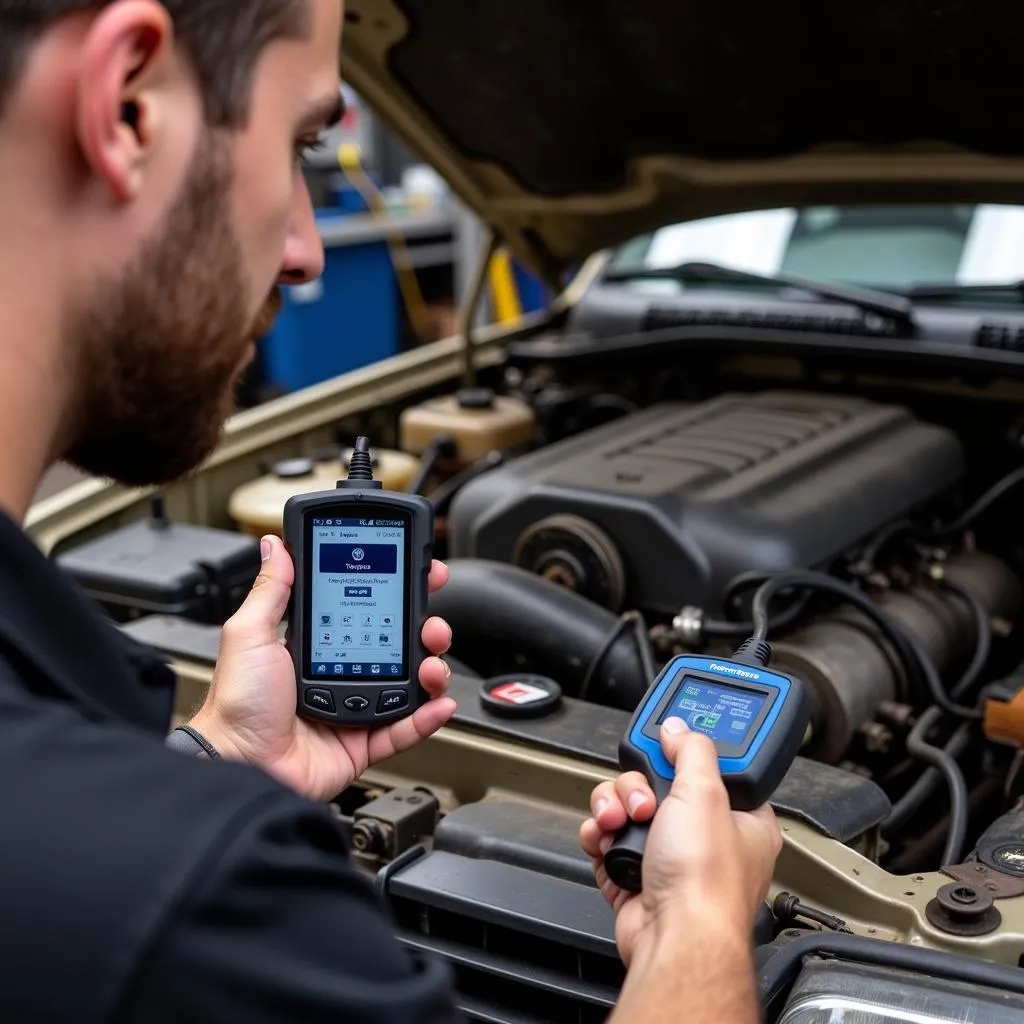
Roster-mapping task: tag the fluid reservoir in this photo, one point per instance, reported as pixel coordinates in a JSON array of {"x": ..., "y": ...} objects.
[
  {"x": 479, "y": 421},
  {"x": 258, "y": 507}
]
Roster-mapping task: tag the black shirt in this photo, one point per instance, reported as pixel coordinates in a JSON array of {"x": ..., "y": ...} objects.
[{"x": 138, "y": 884}]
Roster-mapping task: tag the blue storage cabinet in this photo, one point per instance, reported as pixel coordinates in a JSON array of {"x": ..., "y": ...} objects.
[
  {"x": 346, "y": 320},
  {"x": 534, "y": 295}
]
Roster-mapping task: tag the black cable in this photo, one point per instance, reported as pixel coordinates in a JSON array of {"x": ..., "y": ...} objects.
[
  {"x": 982, "y": 634},
  {"x": 917, "y": 662},
  {"x": 918, "y": 747},
  {"x": 884, "y": 537},
  {"x": 784, "y": 619},
  {"x": 786, "y": 907},
  {"x": 914, "y": 798},
  {"x": 629, "y": 620},
  {"x": 442, "y": 447},
  {"x": 442, "y": 497},
  {"x": 733, "y": 628},
  {"x": 982, "y": 505},
  {"x": 911, "y": 801},
  {"x": 643, "y": 646}
]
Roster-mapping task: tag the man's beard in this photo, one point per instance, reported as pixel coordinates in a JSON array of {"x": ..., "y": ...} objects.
[{"x": 160, "y": 351}]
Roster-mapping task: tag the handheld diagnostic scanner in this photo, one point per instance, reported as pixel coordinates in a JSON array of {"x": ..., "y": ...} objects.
[
  {"x": 362, "y": 558},
  {"x": 757, "y": 719}
]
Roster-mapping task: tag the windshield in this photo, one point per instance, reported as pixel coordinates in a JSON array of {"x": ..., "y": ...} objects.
[{"x": 884, "y": 247}]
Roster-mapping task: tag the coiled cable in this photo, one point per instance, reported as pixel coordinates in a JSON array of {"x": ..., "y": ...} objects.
[{"x": 919, "y": 666}]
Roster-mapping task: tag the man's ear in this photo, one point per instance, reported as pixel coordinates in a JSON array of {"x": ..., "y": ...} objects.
[{"x": 120, "y": 92}]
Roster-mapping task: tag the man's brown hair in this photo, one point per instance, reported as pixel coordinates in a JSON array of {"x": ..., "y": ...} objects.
[{"x": 222, "y": 38}]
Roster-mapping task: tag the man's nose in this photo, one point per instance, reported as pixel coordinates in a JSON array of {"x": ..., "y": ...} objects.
[{"x": 303, "y": 251}]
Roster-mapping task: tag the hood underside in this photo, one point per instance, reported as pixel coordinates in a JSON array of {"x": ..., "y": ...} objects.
[{"x": 572, "y": 125}]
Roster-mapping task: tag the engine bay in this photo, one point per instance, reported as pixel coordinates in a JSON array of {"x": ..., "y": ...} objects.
[{"x": 597, "y": 523}]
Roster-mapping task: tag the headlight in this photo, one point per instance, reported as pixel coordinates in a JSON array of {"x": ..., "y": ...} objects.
[{"x": 833, "y": 992}]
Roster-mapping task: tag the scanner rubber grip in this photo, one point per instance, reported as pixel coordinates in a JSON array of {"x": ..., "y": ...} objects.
[{"x": 624, "y": 860}]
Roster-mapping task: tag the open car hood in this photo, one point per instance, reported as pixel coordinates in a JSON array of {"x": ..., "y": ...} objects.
[{"x": 570, "y": 125}]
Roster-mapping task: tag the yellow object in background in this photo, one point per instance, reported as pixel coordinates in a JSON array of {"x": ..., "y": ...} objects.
[
  {"x": 350, "y": 162},
  {"x": 504, "y": 293}
]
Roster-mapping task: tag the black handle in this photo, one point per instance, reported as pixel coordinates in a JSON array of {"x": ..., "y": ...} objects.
[{"x": 625, "y": 857}]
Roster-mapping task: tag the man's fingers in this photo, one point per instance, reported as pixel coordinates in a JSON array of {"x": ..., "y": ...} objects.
[
  {"x": 636, "y": 796},
  {"x": 437, "y": 635},
  {"x": 256, "y": 623},
  {"x": 590, "y": 838},
  {"x": 607, "y": 808},
  {"x": 404, "y": 735},
  {"x": 438, "y": 576},
  {"x": 435, "y": 676}
]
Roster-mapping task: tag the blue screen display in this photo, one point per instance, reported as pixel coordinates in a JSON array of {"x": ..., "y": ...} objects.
[
  {"x": 358, "y": 603},
  {"x": 724, "y": 713}
]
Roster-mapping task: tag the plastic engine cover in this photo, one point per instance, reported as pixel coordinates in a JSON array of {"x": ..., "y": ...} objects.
[{"x": 686, "y": 496}]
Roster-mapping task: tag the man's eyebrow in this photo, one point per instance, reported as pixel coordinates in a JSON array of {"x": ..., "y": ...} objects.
[{"x": 325, "y": 112}]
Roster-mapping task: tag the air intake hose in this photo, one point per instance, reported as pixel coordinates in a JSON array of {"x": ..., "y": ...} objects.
[{"x": 505, "y": 619}]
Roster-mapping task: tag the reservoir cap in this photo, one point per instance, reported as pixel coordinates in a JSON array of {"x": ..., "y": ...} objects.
[{"x": 520, "y": 696}]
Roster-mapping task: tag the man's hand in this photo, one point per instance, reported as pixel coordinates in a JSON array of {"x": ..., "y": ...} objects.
[
  {"x": 703, "y": 862},
  {"x": 249, "y": 714}
]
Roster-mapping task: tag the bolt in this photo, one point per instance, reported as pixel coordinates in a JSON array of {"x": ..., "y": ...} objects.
[
  {"x": 901, "y": 715},
  {"x": 369, "y": 837},
  {"x": 963, "y": 902},
  {"x": 877, "y": 738}
]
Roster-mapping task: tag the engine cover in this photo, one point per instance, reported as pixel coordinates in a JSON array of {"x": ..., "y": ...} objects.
[{"x": 662, "y": 509}]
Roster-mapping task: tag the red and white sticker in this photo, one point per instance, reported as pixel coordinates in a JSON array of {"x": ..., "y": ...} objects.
[{"x": 519, "y": 693}]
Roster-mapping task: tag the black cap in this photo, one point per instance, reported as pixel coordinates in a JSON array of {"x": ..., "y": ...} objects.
[
  {"x": 520, "y": 696},
  {"x": 476, "y": 398},
  {"x": 293, "y": 469}
]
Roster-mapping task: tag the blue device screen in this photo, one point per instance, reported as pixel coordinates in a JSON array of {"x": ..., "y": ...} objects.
[
  {"x": 724, "y": 713},
  {"x": 358, "y": 599}
]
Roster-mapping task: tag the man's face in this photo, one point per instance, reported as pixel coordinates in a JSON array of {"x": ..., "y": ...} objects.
[{"x": 164, "y": 341}]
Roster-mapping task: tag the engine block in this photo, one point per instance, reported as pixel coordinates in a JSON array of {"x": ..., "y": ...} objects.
[{"x": 662, "y": 509}]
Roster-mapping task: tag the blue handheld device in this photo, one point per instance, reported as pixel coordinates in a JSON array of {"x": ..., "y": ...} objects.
[{"x": 757, "y": 719}]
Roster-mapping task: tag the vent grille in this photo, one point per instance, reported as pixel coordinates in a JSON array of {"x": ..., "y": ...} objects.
[
  {"x": 662, "y": 318},
  {"x": 1001, "y": 337},
  {"x": 506, "y": 968}
]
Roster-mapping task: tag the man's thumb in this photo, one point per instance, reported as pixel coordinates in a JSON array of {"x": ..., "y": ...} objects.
[
  {"x": 256, "y": 622},
  {"x": 693, "y": 756}
]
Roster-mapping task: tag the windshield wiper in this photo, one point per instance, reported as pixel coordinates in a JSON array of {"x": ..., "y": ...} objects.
[
  {"x": 893, "y": 307},
  {"x": 952, "y": 290}
]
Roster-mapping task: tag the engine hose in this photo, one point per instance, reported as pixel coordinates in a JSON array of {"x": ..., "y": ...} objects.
[
  {"x": 629, "y": 621},
  {"x": 982, "y": 638},
  {"x": 911, "y": 801},
  {"x": 881, "y": 540},
  {"x": 850, "y": 666},
  {"x": 918, "y": 747},
  {"x": 914, "y": 799},
  {"x": 915, "y": 660},
  {"x": 981, "y": 506},
  {"x": 443, "y": 496},
  {"x": 500, "y": 614}
]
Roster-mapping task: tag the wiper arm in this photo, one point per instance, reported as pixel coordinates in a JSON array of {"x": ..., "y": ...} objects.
[
  {"x": 894, "y": 307},
  {"x": 951, "y": 290}
]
